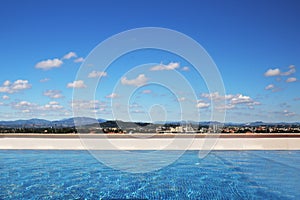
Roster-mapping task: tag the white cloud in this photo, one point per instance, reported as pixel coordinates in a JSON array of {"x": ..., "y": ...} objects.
[
  {"x": 5, "y": 89},
  {"x": 230, "y": 100},
  {"x": 272, "y": 72},
  {"x": 161, "y": 67},
  {"x": 22, "y": 104},
  {"x": 253, "y": 103},
  {"x": 225, "y": 107},
  {"x": 112, "y": 96},
  {"x": 70, "y": 55},
  {"x": 44, "y": 80},
  {"x": 20, "y": 85},
  {"x": 76, "y": 84},
  {"x": 139, "y": 81},
  {"x": 201, "y": 104},
  {"x": 5, "y": 97},
  {"x": 52, "y": 106},
  {"x": 185, "y": 68},
  {"x": 78, "y": 60},
  {"x": 28, "y": 107},
  {"x": 49, "y": 64},
  {"x": 288, "y": 113},
  {"x": 240, "y": 99},
  {"x": 97, "y": 74},
  {"x": 216, "y": 96},
  {"x": 277, "y": 72},
  {"x": 6, "y": 83},
  {"x": 291, "y": 79},
  {"x": 292, "y": 70},
  {"x": 53, "y": 94},
  {"x": 269, "y": 87},
  {"x": 85, "y": 105},
  {"x": 53, "y": 103},
  {"x": 14, "y": 87}
]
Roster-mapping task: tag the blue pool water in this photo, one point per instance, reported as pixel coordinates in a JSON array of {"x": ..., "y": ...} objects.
[{"x": 27, "y": 174}]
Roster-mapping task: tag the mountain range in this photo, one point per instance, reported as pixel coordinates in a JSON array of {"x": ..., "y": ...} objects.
[
  {"x": 40, "y": 123},
  {"x": 81, "y": 121}
]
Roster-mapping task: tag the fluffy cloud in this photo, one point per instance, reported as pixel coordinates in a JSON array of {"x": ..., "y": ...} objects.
[
  {"x": 6, "y": 83},
  {"x": 216, "y": 96},
  {"x": 201, "y": 104},
  {"x": 285, "y": 113},
  {"x": 89, "y": 105},
  {"x": 76, "y": 84},
  {"x": 70, "y": 55},
  {"x": 28, "y": 107},
  {"x": 231, "y": 100},
  {"x": 292, "y": 70},
  {"x": 291, "y": 79},
  {"x": 161, "y": 67},
  {"x": 97, "y": 74},
  {"x": 225, "y": 107},
  {"x": 5, "y": 97},
  {"x": 53, "y": 94},
  {"x": 18, "y": 85},
  {"x": 277, "y": 72},
  {"x": 240, "y": 99},
  {"x": 23, "y": 105},
  {"x": 272, "y": 72},
  {"x": 269, "y": 87},
  {"x": 56, "y": 62},
  {"x": 112, "y": 96},
  {"x": 52, "y": 105},
  {"x": 185, "y": 69},
  {"x": 289, "y": 114},
  {"x": 78, "y": 60},
  {"x": 139, "y": 81},
  {"x": 49, "y": 64}
]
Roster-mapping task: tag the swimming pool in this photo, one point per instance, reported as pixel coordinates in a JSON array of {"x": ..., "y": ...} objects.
[{"x": 52, "y": 174}]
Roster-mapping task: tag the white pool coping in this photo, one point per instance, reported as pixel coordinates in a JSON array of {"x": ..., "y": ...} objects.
[{"x": 67, "y": 142}]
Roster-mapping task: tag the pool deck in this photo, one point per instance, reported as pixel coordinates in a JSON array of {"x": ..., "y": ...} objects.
[{"x": 256, "y": 141}]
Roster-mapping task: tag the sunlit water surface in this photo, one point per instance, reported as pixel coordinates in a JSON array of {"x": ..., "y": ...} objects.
[{"x": 52, "y": 174}]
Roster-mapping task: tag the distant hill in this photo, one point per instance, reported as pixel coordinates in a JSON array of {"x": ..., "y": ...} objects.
[
  {"x": 40, "y": 123},
  {"x": 82, "y": 121},
  {"x": 26, "y": 123},
  {"x": 77, "y": 121}
]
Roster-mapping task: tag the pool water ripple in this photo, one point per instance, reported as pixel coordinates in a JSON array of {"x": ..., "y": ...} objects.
[{"x": 30, "y": 174}]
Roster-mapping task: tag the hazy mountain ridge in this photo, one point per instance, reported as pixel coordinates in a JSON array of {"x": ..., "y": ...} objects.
[
  {"x": 69, "y": 122},
  {"x": 82, "y": 121}
]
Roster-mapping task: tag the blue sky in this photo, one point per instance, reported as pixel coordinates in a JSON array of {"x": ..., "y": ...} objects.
[{"x": 255, "y": 45}]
